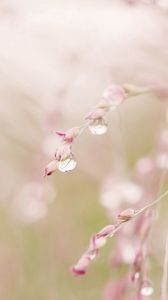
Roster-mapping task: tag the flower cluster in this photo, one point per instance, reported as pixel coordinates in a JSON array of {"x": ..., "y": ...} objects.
[
  {"x": 64, "y": 158},
  {"x": 99, "y": 239},
  {"x": 145, "y": 184},
  {"x": 95, "y": 120}
]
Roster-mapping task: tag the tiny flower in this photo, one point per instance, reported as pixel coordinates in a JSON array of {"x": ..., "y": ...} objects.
[
  {"x": 126, "y": 215},
  {"x": 106, "y": 231},
  {"x": 69, "y": 135},
  {"x": 114, "y": 95},
  {"x": 63, "y": 152},
  {"x": 51, "y": 168},
  {"x": 81, "y": 266},
  {"x": 97, "y": 242}
]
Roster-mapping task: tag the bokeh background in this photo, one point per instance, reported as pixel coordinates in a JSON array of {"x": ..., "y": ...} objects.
[{"x": 56, "y": 58}]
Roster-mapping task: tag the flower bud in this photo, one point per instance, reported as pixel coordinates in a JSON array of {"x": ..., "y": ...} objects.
[
  {"x": 63, "y": 152},
  {"x": 106, "y": 231},
  {"x": 81, "y": 266},
  {"x": 126, "y": 215},
  {"x": 69, "y": 135},
  {"x": 114, "y": 96},
  {"x": 51, "y": 168}
]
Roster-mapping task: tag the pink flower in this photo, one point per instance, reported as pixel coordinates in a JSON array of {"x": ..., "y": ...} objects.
[
  {"x": 63, "y": 152},
  {"x": 51, "y": 168},
  {"x": 106, "y": 231},
  {"x": 69, "y": 135},
  {"x": 80, "y": 267},
  {"x": 114, "y": 95},
  {"x": 126, "y": 215}
]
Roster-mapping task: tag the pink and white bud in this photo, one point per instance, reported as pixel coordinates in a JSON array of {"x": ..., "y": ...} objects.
[
  {"x": 100, "y": 242},
  {"x": 126, "y": 215},
  {"x": 107, "y": 231},
  {"x": 63, "y": 152},
  {"x": 81, "y": 266},
  {"x": 97, "y": 242},
  {"x": 114, "y": 95},
  {"x": 69, "y": 135},
  {"x": 51, "y": 168}
]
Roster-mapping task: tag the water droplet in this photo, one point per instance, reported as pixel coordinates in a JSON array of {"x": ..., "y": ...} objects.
[
  {"x": 67, "y": 165},
  {"x": 98, "y": 126},
  {"x": 146, "y": 289}
]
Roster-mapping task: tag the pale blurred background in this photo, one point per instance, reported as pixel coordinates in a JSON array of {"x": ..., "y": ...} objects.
[{"x": 56, "y": 58}]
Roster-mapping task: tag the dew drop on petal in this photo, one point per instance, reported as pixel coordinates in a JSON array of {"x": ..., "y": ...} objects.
[
  {"x": 98, "y": 127},
  {"x": 147, "y": 290},
  {"x": 67, "y": 165}
]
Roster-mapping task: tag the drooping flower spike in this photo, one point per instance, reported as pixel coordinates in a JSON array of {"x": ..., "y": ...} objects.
[
  {"x": 99, "y": 239},
  {"x": 112, "y": 97}
]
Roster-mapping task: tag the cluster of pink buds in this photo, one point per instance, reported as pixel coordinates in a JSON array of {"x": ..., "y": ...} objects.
[
  {"x": 64, "y": 159},
  {"x": 112, "y": 97},
  {"x": 99, "y": 239},
  {"x": 126, "y": 215},
  {"x": 145, "y": 185}
]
